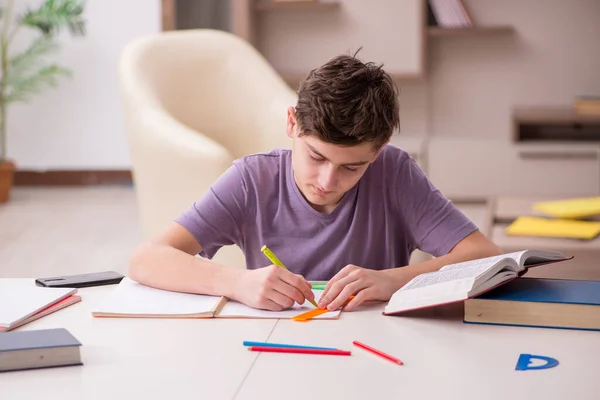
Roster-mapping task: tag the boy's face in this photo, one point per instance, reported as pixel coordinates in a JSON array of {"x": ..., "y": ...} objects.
[{"x": 324, "y": 172}]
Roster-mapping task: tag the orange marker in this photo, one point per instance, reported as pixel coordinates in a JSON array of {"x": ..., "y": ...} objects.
[
  {"x": 316, "y": 312},
  {"x": 379, "y": 353}
]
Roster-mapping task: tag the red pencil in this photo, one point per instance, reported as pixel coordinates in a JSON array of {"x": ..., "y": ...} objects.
[
  {"x": 299, "y": 351},
  {"x": 379, "y": 353}
]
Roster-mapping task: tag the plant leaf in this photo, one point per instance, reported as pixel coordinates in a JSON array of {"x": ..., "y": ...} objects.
[
  {"x": 22, "y": 63},
  {"x": 53, "y": 15},
  {"x": 27, "y": 86}
]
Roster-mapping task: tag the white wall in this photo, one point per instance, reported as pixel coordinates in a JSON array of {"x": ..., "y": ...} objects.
[
  {"x": 476, "y": 81},
  {"x": 473, "y": 81},
  {"x": 79, "y": 125}
]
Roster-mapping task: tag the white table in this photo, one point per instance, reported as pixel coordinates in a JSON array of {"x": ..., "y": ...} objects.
[
  {"x": 204, "y": 359},
  {"x": 146, "y": 359}
]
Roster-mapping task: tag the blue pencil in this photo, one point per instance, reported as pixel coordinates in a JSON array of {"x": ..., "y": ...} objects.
[{"x": 286, "y": 346}]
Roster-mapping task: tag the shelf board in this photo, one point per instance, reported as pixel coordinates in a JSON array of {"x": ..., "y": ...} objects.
[
  {"x": 268, "y": 5},
  {"x": 293, "y": 78},
  {"x": 553, "y": 115},
  {"x": 436, "y": 31}
]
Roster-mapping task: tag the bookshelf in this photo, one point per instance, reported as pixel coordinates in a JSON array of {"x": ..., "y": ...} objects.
[
  {"x": 270, "y": 26},
  {"x": 318, "y": 30},
  {"x": 266, "y": 5},
  {"x": 436, "y": 31}
]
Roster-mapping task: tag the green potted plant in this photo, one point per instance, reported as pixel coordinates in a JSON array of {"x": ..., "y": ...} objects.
[{"x": 28, "y": 72}]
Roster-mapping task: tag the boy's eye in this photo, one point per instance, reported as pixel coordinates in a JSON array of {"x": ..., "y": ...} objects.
[{"x": 316, "y": 159}]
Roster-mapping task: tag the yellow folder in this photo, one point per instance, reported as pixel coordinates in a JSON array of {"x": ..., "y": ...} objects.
[
  {"x": 572, "y": 208},
  {"x": 561, "y": 228}
]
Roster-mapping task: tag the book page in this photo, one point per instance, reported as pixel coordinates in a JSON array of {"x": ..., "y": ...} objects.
[
  {"x": 481, "y": 268},
  {"x": 432, "y": 278},
  {"x": 21, "y": 301},
  {"x": 530, "y": 258},
  {"x": 234, "y": 309},
  {"x": 131, "y": 298},
  {"x": 482, "y": 263}
]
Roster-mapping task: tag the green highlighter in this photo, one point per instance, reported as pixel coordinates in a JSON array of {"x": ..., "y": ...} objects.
[
  {"x": 276, "y": 261},
  {"x": 319, "y": 285}
]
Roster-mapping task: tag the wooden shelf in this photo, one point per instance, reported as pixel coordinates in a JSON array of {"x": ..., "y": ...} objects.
[
  {"x": 554, "y": 115},
  {"x": 266, "y": 5},
  {"x": 554, "y": 124},
  {"x": 435, "y": 31},
  {"x": 293, "y": 79}
]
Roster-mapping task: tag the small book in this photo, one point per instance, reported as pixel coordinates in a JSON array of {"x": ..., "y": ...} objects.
[
  {"x": 571, "y": 208},
  {"x": 48, "y": 310},
  {"x": 460, "y": 281},
  {"x": 557, "y": 228},
  {"x": 539, "y": 302},
  {"x": 131, "y": 299},
  {"x": 44, "y": 348},
  {"x": 19, "y": 303}
]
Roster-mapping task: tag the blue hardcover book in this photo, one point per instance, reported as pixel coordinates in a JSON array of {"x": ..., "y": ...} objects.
[
  {"x": 42, "y": 348},
  {"x": 539, "y": 302}
]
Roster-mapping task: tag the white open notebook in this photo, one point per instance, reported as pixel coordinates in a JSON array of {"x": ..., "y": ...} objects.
[{"x": 134, "y": 300}]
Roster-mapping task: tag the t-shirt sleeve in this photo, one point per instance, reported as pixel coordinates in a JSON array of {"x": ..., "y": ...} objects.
[
  {"x": 217, "y": 219},
  {"x": 433, "y": 221}
]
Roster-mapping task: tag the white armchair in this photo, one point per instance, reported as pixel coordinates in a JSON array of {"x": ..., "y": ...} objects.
[{"x": 194, "y": 101}]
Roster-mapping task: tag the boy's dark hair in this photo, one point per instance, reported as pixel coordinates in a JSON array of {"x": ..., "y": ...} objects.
[{"x": 348, "y": 102}]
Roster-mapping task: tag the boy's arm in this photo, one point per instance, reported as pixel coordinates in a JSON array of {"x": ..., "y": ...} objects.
[
  {"x": 217, "y": 219},
  {"x": 168, "y": 262}
]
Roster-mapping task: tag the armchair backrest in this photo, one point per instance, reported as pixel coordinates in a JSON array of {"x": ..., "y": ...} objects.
[{"x": 217, "y": 84}]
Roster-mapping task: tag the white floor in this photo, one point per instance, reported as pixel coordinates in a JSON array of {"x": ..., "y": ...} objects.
[
  {"x": 48, "y": 231},
  {"x": 56, "y": 231}
]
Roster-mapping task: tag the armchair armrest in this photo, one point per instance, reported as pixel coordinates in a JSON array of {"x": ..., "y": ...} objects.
[{"x": 173, "y": 166}]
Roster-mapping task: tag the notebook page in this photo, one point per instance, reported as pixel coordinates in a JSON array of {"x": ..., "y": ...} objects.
[
  {"x": 21, "y": 301},
  {"x": 233, "y": 309},
  {"x": 133, "y": 298}
]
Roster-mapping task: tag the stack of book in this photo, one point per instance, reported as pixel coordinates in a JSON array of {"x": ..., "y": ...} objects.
[
  {"x": 539, "y": 302},
  {"x": 572, "y": 218},
  {"x": 448, "y": 14},
  {"x": 494, "y": 291}
]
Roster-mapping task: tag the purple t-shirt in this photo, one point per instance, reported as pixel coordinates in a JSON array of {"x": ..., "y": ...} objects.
[{"x": 391, "y": 211}]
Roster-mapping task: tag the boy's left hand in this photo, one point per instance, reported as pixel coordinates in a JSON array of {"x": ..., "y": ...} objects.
[{"x": 365, "y": 284}]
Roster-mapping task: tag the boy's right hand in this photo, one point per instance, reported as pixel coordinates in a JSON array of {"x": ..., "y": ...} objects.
[{"x": 271, "y": 288}]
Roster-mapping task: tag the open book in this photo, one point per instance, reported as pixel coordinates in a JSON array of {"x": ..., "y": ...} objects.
[
  {"x": 21, "y": 303},
  {"x": 130, "y": 299},
  {"x": 460, "y": 281}
]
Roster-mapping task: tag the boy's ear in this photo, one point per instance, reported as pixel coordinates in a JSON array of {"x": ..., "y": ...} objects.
[{"x": 291, "y": 122}]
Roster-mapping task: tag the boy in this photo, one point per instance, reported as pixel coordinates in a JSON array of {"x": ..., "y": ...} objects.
[{"x": 343, "y": 205}]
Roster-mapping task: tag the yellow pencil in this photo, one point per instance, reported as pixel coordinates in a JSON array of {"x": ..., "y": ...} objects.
[{"x": 276, "y": 261}]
